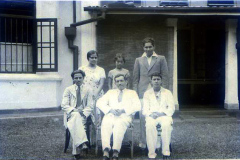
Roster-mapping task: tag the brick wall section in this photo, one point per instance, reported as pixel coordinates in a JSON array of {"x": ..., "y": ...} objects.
[{"x": 124, "y": 34}]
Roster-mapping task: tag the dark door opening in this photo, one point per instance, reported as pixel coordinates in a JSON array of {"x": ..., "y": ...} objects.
[{"x": 201, "y": 65}]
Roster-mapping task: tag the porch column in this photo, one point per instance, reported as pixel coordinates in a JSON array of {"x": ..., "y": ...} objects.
[
  {"x": 86, "y": 33},
  {"x": 231, "y": 76},
  {"x": 172, "y": 58}
]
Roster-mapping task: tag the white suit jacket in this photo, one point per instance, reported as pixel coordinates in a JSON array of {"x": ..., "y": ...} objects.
[
  {"x": 130, "y": 101},
  {"x": 69, "y": 101},
  {"x": 151, "y": 104}
]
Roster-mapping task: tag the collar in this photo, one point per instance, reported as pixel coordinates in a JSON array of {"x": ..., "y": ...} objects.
[
  {"x": 122, "y": 90},
  {"x": 159, "y": 92},
  {"x": 76, "y": 87},
  {"x": 153, "y": 55}
]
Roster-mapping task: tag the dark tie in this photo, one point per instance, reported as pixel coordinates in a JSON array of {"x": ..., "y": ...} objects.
[
  {"x": 79, "y": 97},
  {"x": 120, "y": 96}
]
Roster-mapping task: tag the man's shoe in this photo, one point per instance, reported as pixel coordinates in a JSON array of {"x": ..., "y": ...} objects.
[
  {"x": 106, "y": 154},
  {"x": 77, "y": 156},
  {"x": 114, "y": 158},
  {"x": 115, "y": 155},
  {"x": 106, "y": 158},
  {"x": 84, "y": 146},
  {"x": 166, "y": 157}
]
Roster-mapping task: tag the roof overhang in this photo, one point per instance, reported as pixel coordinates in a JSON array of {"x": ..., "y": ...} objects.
[{"x": 178, "y": 11}]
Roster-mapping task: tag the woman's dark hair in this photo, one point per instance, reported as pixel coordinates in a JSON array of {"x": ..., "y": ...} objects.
[
  {"x": 148, "y": 40},
  {"x": 76, "y": 72},
  {"x": 119, "y": 55},
  {"x": 91, "y": 53}
]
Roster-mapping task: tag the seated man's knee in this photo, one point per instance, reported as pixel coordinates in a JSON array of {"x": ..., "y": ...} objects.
[
  {"x": 150, "y": 125},
  {"x": 167, "y": 122}
]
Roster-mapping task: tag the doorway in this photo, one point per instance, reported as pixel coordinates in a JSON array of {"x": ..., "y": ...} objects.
[{"x": 201, "y": 63}]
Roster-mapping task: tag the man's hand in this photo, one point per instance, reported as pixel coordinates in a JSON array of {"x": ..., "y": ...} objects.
[
  {"x": 155, "y": 115},
  {"x": 113, "y": 111},
  {"x": 120, "y": 111},
  {"x": 117, "y": 112},
  {"x": 75, "y": 110},
  {"x": 160, "y": 114}
]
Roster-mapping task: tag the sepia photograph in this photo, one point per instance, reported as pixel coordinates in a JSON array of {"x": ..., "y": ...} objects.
[{"x": 119, "y": 79}]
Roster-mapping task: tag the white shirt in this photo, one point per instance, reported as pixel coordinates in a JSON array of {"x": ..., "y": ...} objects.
[
  {"x": 149, "y": 58},
  {"x": 165, "y": 104},
  {"x": 130, "y": 101}
]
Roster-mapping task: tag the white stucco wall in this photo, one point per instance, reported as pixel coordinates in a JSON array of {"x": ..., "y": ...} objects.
[
  {"x": 28, "y": 91},
  {"x": 86, "y": 33}
]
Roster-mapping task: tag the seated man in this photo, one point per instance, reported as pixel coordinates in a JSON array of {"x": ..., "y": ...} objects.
[
  {"x": 158, "y": 108},
  {"x": 118, "y": 105},
  {"x": 77, "y": 104}
]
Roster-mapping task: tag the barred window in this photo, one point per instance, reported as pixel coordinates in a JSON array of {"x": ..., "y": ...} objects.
[{"x": 16, "y": 45}]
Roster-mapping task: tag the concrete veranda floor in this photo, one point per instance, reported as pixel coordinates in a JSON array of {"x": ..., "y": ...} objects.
[{"x": 197, "y": 134}]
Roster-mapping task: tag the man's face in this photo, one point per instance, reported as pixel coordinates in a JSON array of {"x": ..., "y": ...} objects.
[
  {"x": 119, "y": 63},
  {"x": 120, "y": 82},
  {"x": 78, "y": 79},
  {"x": 156, "y": 82},
  {"x": 148, "y": 48}
]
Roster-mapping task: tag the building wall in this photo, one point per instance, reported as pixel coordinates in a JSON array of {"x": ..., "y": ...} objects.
[{"x": 124, "y": 34}]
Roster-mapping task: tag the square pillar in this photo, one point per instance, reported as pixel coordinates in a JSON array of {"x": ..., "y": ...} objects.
[
  {"x": 87, "y": 32},
  {"x": 231, "y": 67},
  {"x": 172, "y": 29}
]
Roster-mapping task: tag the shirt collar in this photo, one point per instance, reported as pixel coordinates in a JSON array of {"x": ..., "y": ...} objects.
[
  {"x": 153, "y": 55},
  {"x": 76, "y": 87},
  {"x": 159, "y": 92},
  {"x": 122, "y": 90}
]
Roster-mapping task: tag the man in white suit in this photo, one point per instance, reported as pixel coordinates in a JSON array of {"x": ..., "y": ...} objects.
[
  {"x": 118, "y": 105},
  {"x": 77, "y": 104},
  {"x": 144, "y": 66},
  {"x": 158, "y": 108}
]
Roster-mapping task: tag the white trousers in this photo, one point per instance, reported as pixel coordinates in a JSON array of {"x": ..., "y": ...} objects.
[
  {"x": 151, "y": 135},
  {"x": 77, "y": 131},
  {"x": 114, "y": 125}
]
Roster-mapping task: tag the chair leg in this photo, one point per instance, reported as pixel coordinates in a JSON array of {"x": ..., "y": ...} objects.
[
  {"x": 67, "y": 139},
  {"x": 170, "y": 147},
  {"x": 132, "y": 146},
  {"x": 96, "y": 147},
  {"x": 88, "y": 135}
]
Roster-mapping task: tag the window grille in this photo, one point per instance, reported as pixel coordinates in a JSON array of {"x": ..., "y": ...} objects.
[
  {"x": 46, "y": 45},
  {"x": 16, "y": 45}
]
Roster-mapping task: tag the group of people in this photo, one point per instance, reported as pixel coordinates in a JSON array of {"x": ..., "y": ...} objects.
[{"x": 150, "y": 97}]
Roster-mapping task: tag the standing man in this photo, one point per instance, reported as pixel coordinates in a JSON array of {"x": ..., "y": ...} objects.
[
  {"x": 158, "y": 108},
  {"x": 118, "y": 106},
  {"x": 144, "y": 66},
  {"x": 77, "y": 104}
]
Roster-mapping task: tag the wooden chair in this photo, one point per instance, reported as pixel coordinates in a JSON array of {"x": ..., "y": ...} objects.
[{"x": 67, "y": 134}]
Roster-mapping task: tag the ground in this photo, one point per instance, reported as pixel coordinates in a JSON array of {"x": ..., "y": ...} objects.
[{"x": 196, "y": 135}]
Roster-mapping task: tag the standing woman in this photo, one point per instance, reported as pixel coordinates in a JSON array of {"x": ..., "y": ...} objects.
[{"x": 94, "y": 79}]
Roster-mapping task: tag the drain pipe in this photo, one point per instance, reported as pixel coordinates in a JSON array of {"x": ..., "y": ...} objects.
[
  {"x": 71, "y": 32},
  {"x": 89, "y": 20}
]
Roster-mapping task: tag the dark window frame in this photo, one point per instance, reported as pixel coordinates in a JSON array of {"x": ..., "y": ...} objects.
[
  {"x": 220, "y": 3},
  {"x": 40, "y": 61}
]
